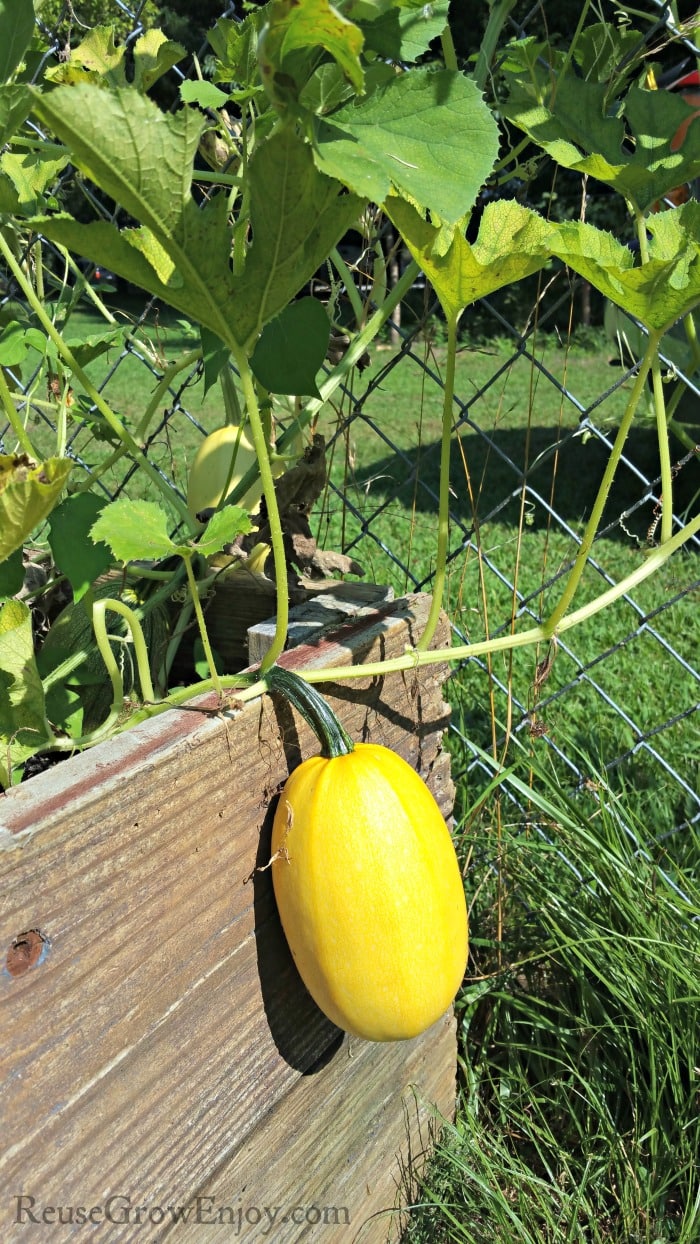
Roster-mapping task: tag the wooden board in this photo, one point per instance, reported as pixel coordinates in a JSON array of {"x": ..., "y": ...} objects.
[{"x": 156, "y": 1041}]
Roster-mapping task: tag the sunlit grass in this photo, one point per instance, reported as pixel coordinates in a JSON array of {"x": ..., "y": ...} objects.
[{"x": 578, "y": 1118}]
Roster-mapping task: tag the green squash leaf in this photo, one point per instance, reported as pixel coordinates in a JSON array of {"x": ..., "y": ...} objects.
[
  {"x": 16, "y": 30},
  {"x": 404, "y": 34},
  {"x": 235, "y": 45},
  {"x": 428, "y": 134},
  {"x": 292, "y": 348},
  {"x": 75, "y": 555},
  {"x": 28, "y": 493},
  {"x": 15, "y": 106},
  {"x": 658, "y": 292},
  {"x": 512, "y": 243},
  {"x": 223, "y": 528},
  {"x": 636, "y": 145},
  {"x": 297, "y": 216},
  {"x": 25, "y": 177},
  {"x": 23, "y": 726},
  {"x": 15, "y": 342},
  {"x": 204, "y": 94},
  {"x": 135, "y": 531},
  {"x": 12, "y": 574},
  {"x": 138, "y": 155},
  {"x": 181, "y": 252},
  {"x": 100, "y": 60}
]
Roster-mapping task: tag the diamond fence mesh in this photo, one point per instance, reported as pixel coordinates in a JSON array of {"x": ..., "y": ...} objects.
[{"x": 536, "y": 405}]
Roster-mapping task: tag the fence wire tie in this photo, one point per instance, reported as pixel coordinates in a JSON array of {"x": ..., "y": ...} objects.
[{"x": 675, "y": 471}]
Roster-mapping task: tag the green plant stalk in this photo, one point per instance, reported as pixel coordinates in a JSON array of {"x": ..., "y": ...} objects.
[
  {"x": 500, "y": 11},
  {"x": 62, "y": 421},
  {"x": 108, "y": 414},
  {"x": 245, "y": 690},
  {"x": 184, "y": 615},
  {"x": 13, "y": 418},
  {"x": 659, "y": 402},
  {"x": 449, "y": 54},
  {"x": 552, "y": 623},
  {"x": 203, "y": 633},
  {"x": 85, "y": 286},
  {"x": 232, "y": 406},
  {"x": 665, "y": 468},
  {"x": 257, "y": 431},
  {"x": 350, "y": 286},
  {"x": 439, "y": 574},
  {"x": 99, "y": 610}
]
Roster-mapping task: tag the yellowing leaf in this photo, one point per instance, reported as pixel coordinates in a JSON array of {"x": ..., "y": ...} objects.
[
  {"x": 23, "y": 726},
  {"x": 512, "y": 243},
  {"x": 28, "y": 493}
]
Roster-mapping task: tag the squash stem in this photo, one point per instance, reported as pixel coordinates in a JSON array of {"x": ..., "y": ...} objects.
[
  {"x": 317, "y": 714},
  {"x": 440, "y": 571}
]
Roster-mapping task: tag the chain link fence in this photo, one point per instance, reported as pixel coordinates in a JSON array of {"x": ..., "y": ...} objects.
[{"x": 618, "y": 697}]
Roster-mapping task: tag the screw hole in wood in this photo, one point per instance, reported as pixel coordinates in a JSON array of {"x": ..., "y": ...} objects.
[{"x": 26, "y": 951}]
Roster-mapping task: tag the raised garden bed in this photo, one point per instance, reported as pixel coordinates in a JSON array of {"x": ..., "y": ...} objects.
[{"x": 159, "y": 1047}]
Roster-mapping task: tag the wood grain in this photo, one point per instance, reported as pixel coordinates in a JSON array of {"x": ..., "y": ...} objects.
[{"x": 160, "y": 1043}]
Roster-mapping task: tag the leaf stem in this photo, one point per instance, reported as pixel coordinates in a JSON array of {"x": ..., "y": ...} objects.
[
  {"x": 204, "y": 634},
  {"x": 665, "y": 469},
  {"x": 553, "y": 622},
  {"x": 439, "y": 573},
  {"x": 257, "y": 431},
  {"x": 498, "y": 15},
  {"x": 99, "y": 625},
  {"x": 659, "y": 401}
]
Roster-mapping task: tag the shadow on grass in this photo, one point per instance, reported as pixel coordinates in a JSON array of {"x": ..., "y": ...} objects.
[{"x": 488, "y": 472}]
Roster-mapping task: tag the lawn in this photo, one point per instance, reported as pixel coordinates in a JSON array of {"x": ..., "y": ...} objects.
[{"x": 578, "y": 1119}]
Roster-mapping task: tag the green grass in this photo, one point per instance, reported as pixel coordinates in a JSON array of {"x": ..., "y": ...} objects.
[{"x": 578, "y": 1118}]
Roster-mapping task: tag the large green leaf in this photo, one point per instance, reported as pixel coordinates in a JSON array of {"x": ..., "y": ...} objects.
[
  {"x": 134, "y": 531},
  {"x": 75, "y": 555},
  {"x": 12, "y": 574},
  {"x": 181, "y": 251},
  {"x": 292, "y": 348},
  {"x": 16, "y": 29},
  {"x": 512, "y": 243},
  {"x": 138, "y": 155},
  {"x": 658, "y": 292},
  {"x": 427, "y": 133},
  {"x": 405, "y": 33},
  {"x": 15, "y": 106},
  {"x": 23, "y": 726},
  {"x": 628, "y": 144},
  {"x": 28, "y": 493},
  {"x": 235, "y": 46},
  {"x": 297, "y": 216}
]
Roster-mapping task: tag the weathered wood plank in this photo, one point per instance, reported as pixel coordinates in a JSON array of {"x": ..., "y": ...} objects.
[
  {"x": 339, "y": 1152},
  {"x": 166, "y": 1020}
]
